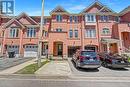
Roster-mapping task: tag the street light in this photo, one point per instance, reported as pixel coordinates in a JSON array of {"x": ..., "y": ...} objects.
[{"x": 40, "y": 36}]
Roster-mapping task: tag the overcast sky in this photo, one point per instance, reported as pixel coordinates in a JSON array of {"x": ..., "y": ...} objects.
[{"x": 33, "y": 7}]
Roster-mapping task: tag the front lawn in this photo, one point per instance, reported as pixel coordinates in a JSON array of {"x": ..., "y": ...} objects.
[{"x": 31, "y": 69}]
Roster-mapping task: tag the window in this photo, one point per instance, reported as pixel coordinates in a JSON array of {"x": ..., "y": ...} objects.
[
  {"x": 106, "y": 31},
  {"x": 117, "y": 19},
  {"x": 90, "y": 33},
  {"x": 70, "y": 33},
  {"x": 13, "y": 32},
  {"x": 90, "y": 18},
  {"x": 31, "y": 32},
  {"x": 104, "y": 18},
  {"x": 44, "y": 21},
  {"x": 45, "y": 33},
  {"x": 71, "y": 19},
  {"x": 75, "y": 19},
  {"x": 76, "y": 33},
  {"x": 59, "y": 18},
  {"x": 58, "y": 30}
]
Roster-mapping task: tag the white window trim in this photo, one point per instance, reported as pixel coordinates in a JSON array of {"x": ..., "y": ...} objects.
[
  {"x": 105, "y": 31},
  {"x": 86, "y": 34},
  {"x": 94, "y": 18},
  {"x": 15, "y": 31},
  {"x": 72, "y": 33},
  {"x": 33, "y": 35}
]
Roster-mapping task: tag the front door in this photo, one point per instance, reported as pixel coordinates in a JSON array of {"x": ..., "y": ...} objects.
[{"x": 60, "y": 49}]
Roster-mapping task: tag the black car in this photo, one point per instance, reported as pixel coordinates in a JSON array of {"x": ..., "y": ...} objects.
[{"x": 113, "y": 60}]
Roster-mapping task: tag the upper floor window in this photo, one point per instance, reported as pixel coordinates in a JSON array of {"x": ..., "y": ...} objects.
[
  {"x": 76, "y": 33},
  {"x": 117, "y": 19},
  {"x": 58, "y": 30},
  {"x": 90, "y": 33},
  {"x": 75, "y": 19},
  {"x": 71, "y": 19},
  {"x": 104, "y": 18},
  {"x": 105, "y": 31},
  {"x": 13, "y": 32},
  {"x": 45, "y": 34},
  {"x": 90, "y": 18},
  {"x": 59, "y": 18},
  {"x": 44, "y": 21},
  {"x": 70, "y": 33},
  {"x": 31, "y": 32}
]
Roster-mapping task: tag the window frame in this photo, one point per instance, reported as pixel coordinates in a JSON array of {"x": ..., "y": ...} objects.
[
  {"x": 59, "y": 18},
  {"x": 90, "y": 18},
  {"x": 90, "y": 33},
  {"x": 13, "y": 33},
  {"x": 31, "y": 32},
  {"x": 104, "y": 18},
  {"x": 59, "y": 30},
  {"x": 70, "y": 33},
  {"x": 76, "y": 33},
  {"x": 105, "y": 31}
]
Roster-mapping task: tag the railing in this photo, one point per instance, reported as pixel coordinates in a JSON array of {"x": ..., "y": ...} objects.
[{"x": 126, "y": 50}]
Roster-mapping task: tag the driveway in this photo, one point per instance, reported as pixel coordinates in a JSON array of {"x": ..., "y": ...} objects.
[
  {"x": 55, "y": 68},
  {"x": 9, "y": 62},
  {"x": 101, "y": 72}
]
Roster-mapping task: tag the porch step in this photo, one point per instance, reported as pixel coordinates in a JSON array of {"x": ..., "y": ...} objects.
[{"x": 59, "y": 58}]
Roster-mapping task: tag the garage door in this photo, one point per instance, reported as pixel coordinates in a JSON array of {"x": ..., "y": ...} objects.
[
  {"x": 30, "y": 51},
  {"x": 13, "y": 48}
]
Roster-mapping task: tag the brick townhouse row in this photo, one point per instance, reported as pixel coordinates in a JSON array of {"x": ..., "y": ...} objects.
[{"x": 96, "y": 28}]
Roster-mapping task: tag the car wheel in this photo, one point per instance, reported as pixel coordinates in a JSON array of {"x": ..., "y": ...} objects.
[
  {"x": 76, "y": 65},
  {"x": 105, "y": 65}
]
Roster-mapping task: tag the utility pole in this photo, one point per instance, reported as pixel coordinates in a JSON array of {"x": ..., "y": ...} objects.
[{"x": 40, "y": 36}]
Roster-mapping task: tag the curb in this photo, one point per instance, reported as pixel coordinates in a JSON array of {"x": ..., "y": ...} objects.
[{"x": 31, "y": 76}]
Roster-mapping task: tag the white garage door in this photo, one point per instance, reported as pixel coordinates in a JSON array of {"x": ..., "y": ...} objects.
[{"x": 30, "y": 51}]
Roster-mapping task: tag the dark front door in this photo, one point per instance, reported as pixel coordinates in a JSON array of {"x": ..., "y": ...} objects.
[{"x": 60, "y": 49}]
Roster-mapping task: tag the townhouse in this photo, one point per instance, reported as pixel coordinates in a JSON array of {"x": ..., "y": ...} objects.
[{"x": 96, "y": 28}]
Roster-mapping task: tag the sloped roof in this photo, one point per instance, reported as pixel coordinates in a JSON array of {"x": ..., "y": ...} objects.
[
  {"x": 11, "y": 21},
  {"x": 58, "y": 9},
  {"x": 126, "y": 10},
  {"x": 99, "y": 4}
]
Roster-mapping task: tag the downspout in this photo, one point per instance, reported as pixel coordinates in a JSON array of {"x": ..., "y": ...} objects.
[{"x": 99, "y": 49}]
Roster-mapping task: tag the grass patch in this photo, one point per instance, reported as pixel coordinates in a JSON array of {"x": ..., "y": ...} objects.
[{"x": 31, "y": 69}]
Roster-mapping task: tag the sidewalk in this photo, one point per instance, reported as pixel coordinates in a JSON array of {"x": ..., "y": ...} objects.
[
  {"x": 14, "y": 69},
  {"x": 55, "y": 68}
]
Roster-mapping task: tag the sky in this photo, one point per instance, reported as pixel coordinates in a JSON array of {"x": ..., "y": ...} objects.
[{"x": 33, "y": 7}]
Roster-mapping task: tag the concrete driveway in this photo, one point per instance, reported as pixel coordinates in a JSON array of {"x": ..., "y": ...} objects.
[
  {"x": 101, "y": 72},
  {"x": 55, "y": 68}
]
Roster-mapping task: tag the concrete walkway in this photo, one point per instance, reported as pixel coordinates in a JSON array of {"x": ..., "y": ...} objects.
[
  {"x": 16, "y": 68},
  {"x": 55, "y": 68}
]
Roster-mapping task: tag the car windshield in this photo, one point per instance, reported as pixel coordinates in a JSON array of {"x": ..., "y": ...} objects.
[{"x": 86, "y": 53}]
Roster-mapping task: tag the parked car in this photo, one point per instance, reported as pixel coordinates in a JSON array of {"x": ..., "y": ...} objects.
[
  {"x": 113, "y": 60},
  {"x": 86, "y": 59}
]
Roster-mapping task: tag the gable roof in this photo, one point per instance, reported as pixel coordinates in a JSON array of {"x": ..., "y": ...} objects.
[
  {"x": 11, "y": 21},
  {"x": 58, "y": 9},
  {"x": 107, "y": 9},
  {"x": 24, "y": 14},
  {"x": 99, "y": 4},
  {"x": 126, "y": 10}
]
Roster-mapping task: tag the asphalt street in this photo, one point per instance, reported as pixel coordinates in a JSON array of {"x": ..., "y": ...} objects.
[{"x": 5, "y": 82}]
